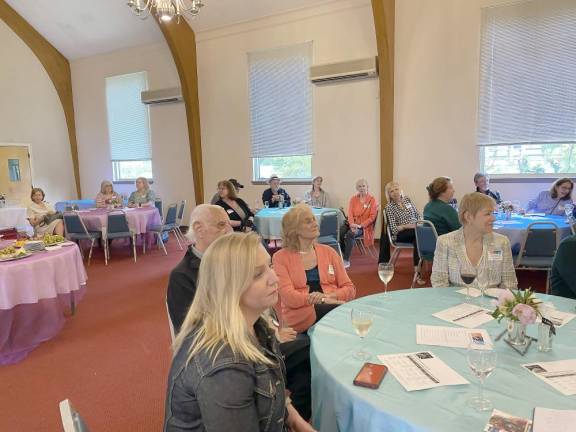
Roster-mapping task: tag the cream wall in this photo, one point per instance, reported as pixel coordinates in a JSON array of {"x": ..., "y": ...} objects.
[
  {"x": 171, "y": 164},
  {"x": 346, "y": 122},
  {"x": 436, "y": 92},
  {"x": 31, "y": 113}
]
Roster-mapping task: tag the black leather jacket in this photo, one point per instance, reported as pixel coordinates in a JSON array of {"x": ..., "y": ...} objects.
[{"x": 227, "y": 393}]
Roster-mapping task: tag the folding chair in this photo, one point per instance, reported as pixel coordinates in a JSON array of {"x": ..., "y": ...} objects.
[
  {"x": 329, "y": 230},
  {"x": 71, "y": 419},
  {"x": 398, "y": 246},
  {"x": 158, "y": 205},
  {"x": 426, "y": 237},
  {"x": 76, "y": 230},
  {"x": 359, "y": 241},
  {"x": 117, "y": 227},
  {"x": 538, "y": 248}
]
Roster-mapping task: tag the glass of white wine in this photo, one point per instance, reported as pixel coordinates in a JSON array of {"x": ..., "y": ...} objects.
[
  {"x": 361, "y": 321},
  {"x": 386, "y": 273},
  {"x": 482, "y": 363}
]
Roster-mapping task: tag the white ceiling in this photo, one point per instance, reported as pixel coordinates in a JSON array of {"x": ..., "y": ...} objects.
[{"x": 84, "y": 28}]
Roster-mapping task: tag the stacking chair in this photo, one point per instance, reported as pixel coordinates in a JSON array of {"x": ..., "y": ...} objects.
[
  {"x": 359, "y": 241},
  {"x": 426, "y": 237},
  {"x": 71, "y": 419},
  {"x": 158, "y": 205},
  {"x": 169, "y": 226},
  {"x": 398, "y": 246},
  {"x": 118, "y": 228},
  {"x": 538, "y": 248},
  {"x": 179, "y": 221},
  {"x": 329, "y": 232},
  {"x": 76, "y": 230}
]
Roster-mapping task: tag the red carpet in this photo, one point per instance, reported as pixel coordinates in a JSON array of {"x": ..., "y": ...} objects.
[{"x": 112, "y": 358}]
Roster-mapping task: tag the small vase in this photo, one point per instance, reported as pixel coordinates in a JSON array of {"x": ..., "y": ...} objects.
[{"x": 517, "y": 333}]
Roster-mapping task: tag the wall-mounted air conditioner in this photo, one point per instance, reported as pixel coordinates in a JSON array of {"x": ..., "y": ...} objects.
[
  {"x": 169, "y": 95},
  {"x": 344, "y": 71}
]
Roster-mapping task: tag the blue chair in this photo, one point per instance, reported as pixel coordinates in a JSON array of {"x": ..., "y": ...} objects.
[
  {"x": 158, "y": 205},
  {"x": 329, "y": 230},
  {"x": 71, "y": 419},
  {"x": 179, "y": 221},
  {"x": 117, "y": 227},
  {"x": 169, "y": 226},
  {"x": 538, "y": 248},
  {"x": 398, "y": 246},
  {"x": 75, "y": 230},
  {"x": 426, "y": 238}
]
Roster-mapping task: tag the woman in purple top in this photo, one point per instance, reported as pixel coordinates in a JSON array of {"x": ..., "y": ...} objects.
[{"x": 552, "y": 202}]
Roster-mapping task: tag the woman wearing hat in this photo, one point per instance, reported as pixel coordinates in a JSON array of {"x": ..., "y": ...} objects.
[{"x": 275, "y": 194}]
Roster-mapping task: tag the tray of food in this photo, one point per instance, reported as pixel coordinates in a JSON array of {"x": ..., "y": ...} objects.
[
  {"x": 53, "y": 239},
  {"x": 11, "y": 253}
]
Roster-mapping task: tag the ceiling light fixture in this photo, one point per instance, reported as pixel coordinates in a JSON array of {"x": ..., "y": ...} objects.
[{"x": 165, "y": 10}]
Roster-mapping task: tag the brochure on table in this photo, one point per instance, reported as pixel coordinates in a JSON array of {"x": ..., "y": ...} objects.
[
  {"x": 559, "y": 374},
  {"x": 421, "y": 370},
  {"x": 454, "y": 337},
  {"x": 465, "y": 315}
]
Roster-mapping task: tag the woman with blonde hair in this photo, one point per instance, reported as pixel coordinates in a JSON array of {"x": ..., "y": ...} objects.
[
  {"x": 401, "y": 216},
  {"x": 553, "y": 201},
  {"x": 107, "y": 196},
  {"x": 438, "y": 210},
  {"x": 227, "y": 373},
  {"x": 312, "y": 277},
  {"x": 42, "y": 215},
  {"x": 143, "y": 196},
  {"x": 362, "y": 214},
  {"x": 316, "y": 197},
  {"x": 474, "y": 249}
]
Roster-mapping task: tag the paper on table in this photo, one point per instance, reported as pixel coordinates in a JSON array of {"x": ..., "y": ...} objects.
[
  {"x": 551, "y": 420},
  {"x": 465, "y": 315},
  {"x": 421, "y": 370},
  {"x": 454, "y": 337},
  {"x": 559, "y": 374},
  {"x": 558, "y": 318},
  {"x": 504, "y": 422},
  {"x": 474, "y": 292}
]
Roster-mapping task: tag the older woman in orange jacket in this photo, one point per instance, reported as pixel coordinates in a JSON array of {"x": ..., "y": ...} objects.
[
  {"x": 362, "y": 214},
  {"x": 313, "y": 280}
]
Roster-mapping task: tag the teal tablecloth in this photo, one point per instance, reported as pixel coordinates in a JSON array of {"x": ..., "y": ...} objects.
[
  {"x": 268, "y": 221},
  {"x": 338, "y": 405}
]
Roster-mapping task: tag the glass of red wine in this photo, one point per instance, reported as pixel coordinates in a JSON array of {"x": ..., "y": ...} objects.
[{"x": 468, "y": 276}]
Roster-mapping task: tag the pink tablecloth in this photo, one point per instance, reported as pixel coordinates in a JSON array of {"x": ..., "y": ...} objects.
[
  {"x": 34, "y": 293},
  {"x": 139, "y": 219}
]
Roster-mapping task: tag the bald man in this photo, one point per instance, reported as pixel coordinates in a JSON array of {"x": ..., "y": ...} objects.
[{"x": 207, "y": 223}]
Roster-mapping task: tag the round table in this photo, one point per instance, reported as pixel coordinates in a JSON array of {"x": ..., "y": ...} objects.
[
  {"x": 515, "y": 228},
  {"x": 34, "y": 293},
  {"x": 338, "y": 405},
  {"x": 13, "y": 217},
  {"x": 139, "y": 219},
  {"x": 268, "y": 221}
]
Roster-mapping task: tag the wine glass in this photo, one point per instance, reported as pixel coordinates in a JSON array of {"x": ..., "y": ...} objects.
[
  {"x": 266, "y": 204},
  {"x": 482, "y": 363},
  {"x": 361, "y": 321},
  {"x": 468, "y": 275},
  {"x": 483, "y": 280},
  {"x": 568, "y": 211},
  {"x": 386, "y": 273}
]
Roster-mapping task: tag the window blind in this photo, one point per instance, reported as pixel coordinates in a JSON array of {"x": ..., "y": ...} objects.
[
  {"x": 528, "y": 74},
  {"x": 128, "y": 122},
  {"x": 281, "y": 101}
]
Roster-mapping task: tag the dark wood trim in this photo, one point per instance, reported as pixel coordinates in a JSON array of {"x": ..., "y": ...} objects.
[
  {"x": 58, "y": 69},
  {"x": 182, "y": 42},
  {"x": 384, "y": 15}
]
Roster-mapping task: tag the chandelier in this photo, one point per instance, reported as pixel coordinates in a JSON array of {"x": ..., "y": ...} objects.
[{"x": 165, "y": 10}]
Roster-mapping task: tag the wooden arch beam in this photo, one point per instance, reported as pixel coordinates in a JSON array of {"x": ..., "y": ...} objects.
[
  {"x": 182, "y": 42},
  {"x": 58, "y": 69},
  {"x": 384, "y": 15}
]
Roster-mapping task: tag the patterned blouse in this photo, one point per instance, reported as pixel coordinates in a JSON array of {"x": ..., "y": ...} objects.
[
  {"x": 321, "y": 201},
  {"x": 495, "y": 263},
  {"x": 397, "y": 215}
]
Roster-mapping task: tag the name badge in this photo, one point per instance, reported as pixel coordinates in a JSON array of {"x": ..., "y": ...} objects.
[
  {"x": 229, "y": 211},
  {"x": 495, "y": 255},
  {"x": 366, "y": 206},
  {"x": 408, "y": 206},
  {"x": 330, "y": 269}
]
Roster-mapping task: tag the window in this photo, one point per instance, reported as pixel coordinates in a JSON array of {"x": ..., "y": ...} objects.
[
  {"x": 281, "y": 112},
  {"x": 14, "y": 170},
  {"x": 527, "y": 112},
  {"x": 128, "y": 127}
]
